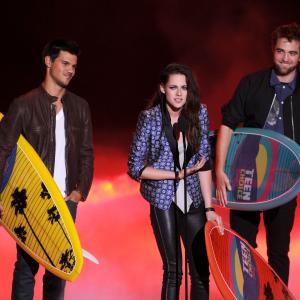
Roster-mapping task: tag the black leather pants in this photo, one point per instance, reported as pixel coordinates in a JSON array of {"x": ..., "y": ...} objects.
[{"x": 167, "y": 234}]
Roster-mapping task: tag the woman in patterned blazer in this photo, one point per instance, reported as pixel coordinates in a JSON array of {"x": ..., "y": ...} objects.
[{"x": 157, "y": 160}]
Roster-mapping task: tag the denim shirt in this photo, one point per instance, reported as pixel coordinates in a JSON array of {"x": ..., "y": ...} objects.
[
  {"x": 274, "y": 120},
  {"x": 151, "y": 147}
]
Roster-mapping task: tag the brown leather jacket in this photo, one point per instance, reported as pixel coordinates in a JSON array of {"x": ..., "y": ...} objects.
[{"x": 33, "y": 116}]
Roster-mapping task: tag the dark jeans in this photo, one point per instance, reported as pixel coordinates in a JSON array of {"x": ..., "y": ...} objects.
[
  {"x": 168, "y": 237},
  {"x": 278, "y": 223},
  {"x": 26, "y": 269}
]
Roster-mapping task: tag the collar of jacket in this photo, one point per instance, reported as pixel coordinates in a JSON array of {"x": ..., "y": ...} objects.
[
  {"x": 168, "y": 129},
  {"x": 49, "y": 97},
  {"x": 297, "y": 88}
]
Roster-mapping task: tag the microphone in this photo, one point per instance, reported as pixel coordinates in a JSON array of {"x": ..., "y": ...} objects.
[
  {"x": 179, "y": 126},
  {"x": 176, "y": 131},
  {"x": 182, "y": 125}
]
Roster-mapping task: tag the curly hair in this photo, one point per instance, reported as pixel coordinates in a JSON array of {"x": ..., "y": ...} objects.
[{"x": 289, "y": 31}]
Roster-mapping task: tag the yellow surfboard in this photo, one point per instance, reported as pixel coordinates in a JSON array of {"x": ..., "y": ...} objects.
[{"x": 36, "y": 215}]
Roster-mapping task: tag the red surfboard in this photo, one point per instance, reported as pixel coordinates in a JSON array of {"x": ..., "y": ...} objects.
[{"x": 240, "y": 272}]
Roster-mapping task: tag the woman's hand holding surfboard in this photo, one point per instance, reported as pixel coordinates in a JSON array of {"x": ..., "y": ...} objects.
[{"x": 212, "y": 216}]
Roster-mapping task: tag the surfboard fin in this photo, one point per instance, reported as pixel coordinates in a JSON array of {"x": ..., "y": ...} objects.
[{"x": 90, "y": 257}]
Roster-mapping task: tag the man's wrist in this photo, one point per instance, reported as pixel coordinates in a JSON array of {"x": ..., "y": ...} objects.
[{"x": 219, "y": 170}]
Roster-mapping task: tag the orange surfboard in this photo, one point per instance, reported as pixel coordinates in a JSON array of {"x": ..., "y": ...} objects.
[{"x": 240, "y": 272}]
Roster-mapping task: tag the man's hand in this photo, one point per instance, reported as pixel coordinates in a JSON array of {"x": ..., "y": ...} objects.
[
  {"x": 222, "y": 186},
  {"x": 74, "y": 196},
  {"x": 222, "y": 181}
]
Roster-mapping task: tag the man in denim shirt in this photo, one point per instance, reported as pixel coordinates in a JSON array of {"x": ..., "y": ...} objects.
[{"x": 267, "y": 99}]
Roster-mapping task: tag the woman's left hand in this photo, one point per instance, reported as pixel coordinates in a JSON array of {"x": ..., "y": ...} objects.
[
  {"x": 212, "y": 216},
  {"x": 195, "y": 168}
]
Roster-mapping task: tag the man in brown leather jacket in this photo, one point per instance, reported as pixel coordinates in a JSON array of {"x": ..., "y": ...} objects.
[{"x": 57, "y": 123}]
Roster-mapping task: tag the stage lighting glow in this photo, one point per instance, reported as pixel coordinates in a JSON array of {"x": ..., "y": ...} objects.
[{"x": 112, "y": 188}]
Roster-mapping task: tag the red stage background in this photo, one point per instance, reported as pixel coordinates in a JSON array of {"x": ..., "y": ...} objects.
[
  {"x": 114, "y": 225},
  {"x": 125, "y": 45}
]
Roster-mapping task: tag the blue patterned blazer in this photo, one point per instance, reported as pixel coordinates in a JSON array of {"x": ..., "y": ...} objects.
[{"x": 154, "y": 145}]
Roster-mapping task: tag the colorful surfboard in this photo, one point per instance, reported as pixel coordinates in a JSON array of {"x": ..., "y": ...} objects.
[
  {"x": 36, "y": 215},
  {"x": 263, "y": 167},
  {"x": 240, "y": 272}
]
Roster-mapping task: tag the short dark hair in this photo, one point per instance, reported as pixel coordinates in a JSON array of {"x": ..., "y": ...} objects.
[
  {"x": 54, "y": 47},
  {"x": 289, "y": 31}
]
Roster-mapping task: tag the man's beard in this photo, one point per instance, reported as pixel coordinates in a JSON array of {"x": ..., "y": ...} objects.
[
  {"x": 61, "y": 83},
  {"x": 284, "y": 71}
]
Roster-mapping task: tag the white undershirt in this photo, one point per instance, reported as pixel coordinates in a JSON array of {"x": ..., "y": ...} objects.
[
  {"x": 60, "y": 146},
  {"x": 180, "y": 188}
]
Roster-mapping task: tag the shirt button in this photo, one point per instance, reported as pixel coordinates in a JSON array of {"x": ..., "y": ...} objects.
[
  {"x": 279, "y": 118},
  {"x": 283, "y": 86},
  {"x": 282, "y": 102}
]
